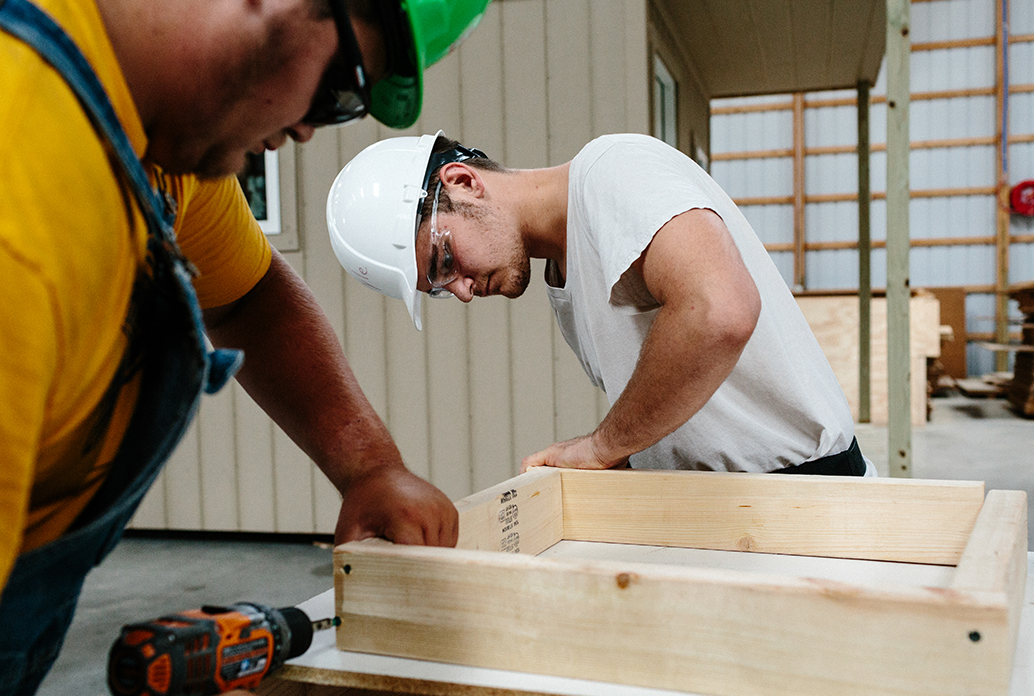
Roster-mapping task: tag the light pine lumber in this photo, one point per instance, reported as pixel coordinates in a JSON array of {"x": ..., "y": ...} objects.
[
  {"x": 716, "y": 632},
  {"x": 521, "y": 515},
  {"x": 994, "y": 564},
  {"x": 706, "y": 630},
  {"x": 995, "y": 556},
  {"x": 839, "y": 517}
]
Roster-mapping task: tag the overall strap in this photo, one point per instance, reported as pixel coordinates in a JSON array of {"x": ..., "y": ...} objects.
[{"x": 36, "y": 28}]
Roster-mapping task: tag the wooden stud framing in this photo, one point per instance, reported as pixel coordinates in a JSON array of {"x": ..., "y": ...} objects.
[
  {"x": 704, "y": 630},
  {"x": 1002, "y": 192},
  {"x": 1002, "y": 239},
  {"x": 799, "y": 235},
  {"x": 977, "y": 141},
  {"x": 864, "y": 258},
  {"x": 915, "y": 242},
  {"x": 878, "y": 195}
]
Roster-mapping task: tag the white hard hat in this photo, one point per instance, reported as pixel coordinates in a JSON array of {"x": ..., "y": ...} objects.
[{"x": 372, "y": 216}]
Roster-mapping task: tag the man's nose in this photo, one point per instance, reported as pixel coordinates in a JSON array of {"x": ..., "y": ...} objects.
[
  {"x": 301, "y": 132},
  {"x": 461, "y": 288}
]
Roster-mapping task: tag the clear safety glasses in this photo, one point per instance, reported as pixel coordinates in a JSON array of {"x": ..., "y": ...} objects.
[
  {"x": 343, "y": 94},
  {"x": 441, "y": 266}
]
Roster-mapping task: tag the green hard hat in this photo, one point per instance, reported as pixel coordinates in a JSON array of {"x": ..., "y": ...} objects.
[{"x": 432, "y": 29}]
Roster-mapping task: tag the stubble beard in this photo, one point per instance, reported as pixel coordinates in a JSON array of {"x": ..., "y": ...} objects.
[
  {"x": 521, "y": 276},
  {"x": 519, "y": 269},
  {"x": 516, "y": 267}
]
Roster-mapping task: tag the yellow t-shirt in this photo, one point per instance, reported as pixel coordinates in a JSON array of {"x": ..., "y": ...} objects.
[{"x": 69, "y": 253}]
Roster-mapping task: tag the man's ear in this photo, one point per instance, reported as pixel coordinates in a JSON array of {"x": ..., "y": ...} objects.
[{"x": 462, "y": 178}]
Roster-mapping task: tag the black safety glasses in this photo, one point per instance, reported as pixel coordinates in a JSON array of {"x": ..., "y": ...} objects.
[{"x": 344, "y": 93}]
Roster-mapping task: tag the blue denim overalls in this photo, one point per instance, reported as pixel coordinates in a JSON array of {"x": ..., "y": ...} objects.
[{"x": 168, "y": 351}]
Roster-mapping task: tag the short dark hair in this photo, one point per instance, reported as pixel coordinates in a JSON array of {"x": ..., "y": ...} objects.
[{"x": 445, "y": 204}]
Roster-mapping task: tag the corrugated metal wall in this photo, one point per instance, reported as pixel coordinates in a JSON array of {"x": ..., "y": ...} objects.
[
  {"x": 483, "y": 385},
  {"x": 953, "y": 183}
]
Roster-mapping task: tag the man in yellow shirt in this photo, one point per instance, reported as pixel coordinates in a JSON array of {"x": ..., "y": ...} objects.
[{"x": 101, "y": 353}]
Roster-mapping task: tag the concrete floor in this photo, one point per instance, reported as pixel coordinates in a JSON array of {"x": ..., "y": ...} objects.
[{"x": 147, "y": 577}]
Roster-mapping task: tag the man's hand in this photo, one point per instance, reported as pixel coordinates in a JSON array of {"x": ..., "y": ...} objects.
[
  {"x": 579, "y": 453},
  {"x": 393, "y": 503}
]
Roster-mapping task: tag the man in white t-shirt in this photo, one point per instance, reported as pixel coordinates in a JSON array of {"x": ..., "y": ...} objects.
[{"x": 658, "y": 283}]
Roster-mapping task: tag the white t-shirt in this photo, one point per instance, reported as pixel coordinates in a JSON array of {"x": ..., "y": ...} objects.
[{"x": 782, "y": 404}]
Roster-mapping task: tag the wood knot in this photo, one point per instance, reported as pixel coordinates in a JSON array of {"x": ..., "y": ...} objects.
[
  {"x": 623, "y": 579},
  {"x": 747, "y": 543}
]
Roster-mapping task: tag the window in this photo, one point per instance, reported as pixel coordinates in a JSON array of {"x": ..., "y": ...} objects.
[
  {"x": 272, "y": 196},
  {"x": 261, "y": 183},
  {"x": 665, "y": 103}
]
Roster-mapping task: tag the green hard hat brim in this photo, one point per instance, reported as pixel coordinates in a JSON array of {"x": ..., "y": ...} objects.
[{"x": 396, "y": 100}]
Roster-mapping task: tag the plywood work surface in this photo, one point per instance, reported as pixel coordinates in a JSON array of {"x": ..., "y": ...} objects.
[{"x": 326, "y": 671}]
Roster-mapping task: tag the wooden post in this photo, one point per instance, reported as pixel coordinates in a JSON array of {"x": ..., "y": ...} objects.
[
  {"x": 899, "y": 430},
  {"x": 799, "y": 276},
  {"x": 864, "y": 252},
  {"x": 1002, "y": 193}
]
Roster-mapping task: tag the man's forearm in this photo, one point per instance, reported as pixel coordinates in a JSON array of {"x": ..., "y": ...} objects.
[
  {"x": 681, "y": 365},
  {"x": 295, "y": 370},
  {"x": 709, "y": 307}
]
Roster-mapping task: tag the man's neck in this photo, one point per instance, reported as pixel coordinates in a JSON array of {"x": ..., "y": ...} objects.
[{"x": 540, "y": 202}]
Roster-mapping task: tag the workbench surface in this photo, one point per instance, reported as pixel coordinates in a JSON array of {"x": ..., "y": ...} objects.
[{"x": 354, "y": 673}]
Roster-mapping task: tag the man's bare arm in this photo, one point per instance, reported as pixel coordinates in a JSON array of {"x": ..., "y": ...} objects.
[
  {"x": 709, "y": 307},
  {"x": 296, "y": 371}
]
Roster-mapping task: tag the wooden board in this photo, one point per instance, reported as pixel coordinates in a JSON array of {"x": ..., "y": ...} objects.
[
  {"x": 883, "y": 519},
  {"x": 713, "y": 631},
  {"x": 952, "y": 301},
  {"x": 978, "y": 388},
  {"x": 326, "y": 671}
]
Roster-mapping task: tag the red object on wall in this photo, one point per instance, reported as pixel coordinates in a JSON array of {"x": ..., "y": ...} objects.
[{"x": 1022, "y": 198}]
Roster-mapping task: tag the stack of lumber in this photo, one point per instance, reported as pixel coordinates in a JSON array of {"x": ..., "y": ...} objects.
[
  {"x": 1021, "y": 391},
  {"x": 990, "y": 386}
]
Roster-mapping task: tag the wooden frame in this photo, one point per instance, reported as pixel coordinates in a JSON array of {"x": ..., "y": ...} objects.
[{"x": 705, "y": 630}]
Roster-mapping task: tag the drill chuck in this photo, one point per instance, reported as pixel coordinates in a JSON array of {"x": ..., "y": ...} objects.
[{"x": 206, "y": 651}]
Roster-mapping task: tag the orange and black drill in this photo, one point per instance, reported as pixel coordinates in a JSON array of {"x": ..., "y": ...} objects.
[{"x": 210, "y": 650}]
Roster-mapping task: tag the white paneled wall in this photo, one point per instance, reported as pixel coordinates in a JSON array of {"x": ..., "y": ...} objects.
[
  {"x": 484, "y": 384},
  {"x": 951, "y": 69}
]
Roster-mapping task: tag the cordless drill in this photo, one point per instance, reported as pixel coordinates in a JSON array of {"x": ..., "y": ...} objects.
[{"x": 209, "y": 650}]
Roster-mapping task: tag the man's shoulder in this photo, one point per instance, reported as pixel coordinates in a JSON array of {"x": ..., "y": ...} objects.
[
  {"x": 618, "y": 142},
  {"x": 624, "y": 152}
]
